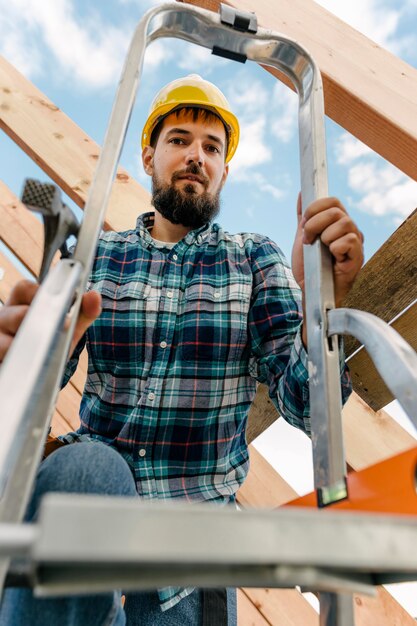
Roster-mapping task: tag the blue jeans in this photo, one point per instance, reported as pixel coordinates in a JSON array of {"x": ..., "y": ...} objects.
[{"x": 96, "y": 469}]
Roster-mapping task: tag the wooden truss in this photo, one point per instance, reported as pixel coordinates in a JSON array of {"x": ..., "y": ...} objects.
[{"x": 371, "y": 94}]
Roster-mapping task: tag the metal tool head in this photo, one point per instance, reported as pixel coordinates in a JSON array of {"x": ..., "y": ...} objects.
[
  {"x": 59, "y": 220},
  {"x": 42, "y": 197}
]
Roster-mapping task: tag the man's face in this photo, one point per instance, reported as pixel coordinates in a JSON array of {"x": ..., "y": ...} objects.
[{"x": 188, "y": 169}]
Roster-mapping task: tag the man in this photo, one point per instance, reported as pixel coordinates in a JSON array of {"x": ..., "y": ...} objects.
[{"x": 191, "y": 318}]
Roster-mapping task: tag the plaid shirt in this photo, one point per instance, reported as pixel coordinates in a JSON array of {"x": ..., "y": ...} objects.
[{"x": 184, "y": 336}]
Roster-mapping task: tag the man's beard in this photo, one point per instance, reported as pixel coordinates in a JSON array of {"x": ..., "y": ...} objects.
[{"x": 185, "y": 207}]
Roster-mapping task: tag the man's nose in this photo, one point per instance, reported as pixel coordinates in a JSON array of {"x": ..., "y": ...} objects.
[{"x": 195, "y": 154}]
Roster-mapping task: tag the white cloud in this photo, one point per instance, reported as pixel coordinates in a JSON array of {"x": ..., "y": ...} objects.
[
  {"x": 384, "y": 190},
  {"x": 13, "y": 46},
  {"x": 85, "y": 49},
  {"x": 157, "y": 53},
  {"x": 253, "y": 149},
  {"x": 96, "y": 52},
  {"x": 194, "y": 58},
  {"x": 247, "y": 100},
  {"x": 348, "y": 149},
  {"x": 284, "y": 113},
  {"x": 260, "y": 112},
  {"x": 266, "y": 187}
]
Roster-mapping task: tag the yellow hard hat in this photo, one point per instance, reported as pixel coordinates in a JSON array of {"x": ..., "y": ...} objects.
[{"x": 192, "y": 91}]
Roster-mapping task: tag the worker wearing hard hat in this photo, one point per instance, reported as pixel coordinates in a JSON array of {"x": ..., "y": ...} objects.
[{"x": 192, "y": 319}]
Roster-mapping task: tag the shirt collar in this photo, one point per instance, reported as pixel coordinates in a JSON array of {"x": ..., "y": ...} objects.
[{"x": 146, "y": 221}]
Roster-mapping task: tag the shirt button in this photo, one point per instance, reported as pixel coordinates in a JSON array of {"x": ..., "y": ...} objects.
[
  {"x": 163, "y": 344},
  {"x": 175, "y": 257},
  {"x": 142, "y": 452},
  {"x": 151, "y": 396},
  {"x": 170, "y": 294},
  {"x": 217, "y": 294}
]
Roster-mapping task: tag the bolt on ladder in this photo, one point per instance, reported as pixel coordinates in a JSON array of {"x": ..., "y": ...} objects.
[{"x": 42, "y": 357}]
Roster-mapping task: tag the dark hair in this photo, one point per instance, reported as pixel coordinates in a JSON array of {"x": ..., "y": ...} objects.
[{"x": 197, "y": 113}]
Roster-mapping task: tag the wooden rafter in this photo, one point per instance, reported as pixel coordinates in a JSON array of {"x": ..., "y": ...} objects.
[{"x": 67, "y": 154}]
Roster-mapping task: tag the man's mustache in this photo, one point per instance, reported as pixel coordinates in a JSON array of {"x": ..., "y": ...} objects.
[{"x": 193, "y": 169}]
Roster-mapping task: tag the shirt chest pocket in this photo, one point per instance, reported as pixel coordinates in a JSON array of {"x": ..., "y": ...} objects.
[
  {"x": 215, "y": 322},
  {"x": 124, "y": 329}
]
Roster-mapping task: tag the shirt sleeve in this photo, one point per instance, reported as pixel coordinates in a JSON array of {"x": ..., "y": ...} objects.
[
  {"x": 278, "y": 357},
  {"x": 73, "y": 362}
]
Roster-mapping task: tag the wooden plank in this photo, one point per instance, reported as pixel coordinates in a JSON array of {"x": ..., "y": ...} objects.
[
  {"x": 368, "y": 91},
  {"x": 383, "y": 609},
  {"x": 9, "y": 276},
  {"x": 387, "y": 284},
  {"x": 21, "y": 231},
  {"x": 59, "y": 425},
  {"x": 283, "y": 607},
  {"x": 61, "y": 148},
  {"x": 264, "y": 487},
  {"x": 247, "y": 612},
  {"x": 371, "y": 436},
  {"x": 261, "y": 415},
  {"x": 68, "y": 405}
]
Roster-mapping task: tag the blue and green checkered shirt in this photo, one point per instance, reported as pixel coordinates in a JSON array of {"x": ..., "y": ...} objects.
[{"x": 184, "y": 336}]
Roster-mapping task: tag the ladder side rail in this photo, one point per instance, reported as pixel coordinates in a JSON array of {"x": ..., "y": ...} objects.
[{"x": 393, "y": 357}]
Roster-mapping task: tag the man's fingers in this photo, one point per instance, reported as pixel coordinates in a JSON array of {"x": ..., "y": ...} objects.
[
  {"x": 22, "y": 293},
  {"x": 318, "y": 206},
  {"x": 340, "y": 228},
  {"x": 317, "y": 224},
  {"x": 12, "y": 317},
  {"x": 347, "y": 248}
]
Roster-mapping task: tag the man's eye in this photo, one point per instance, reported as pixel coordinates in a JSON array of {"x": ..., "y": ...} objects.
[
  {"x": 176, "y": 140},
  {"x": 211, "y": 148}
]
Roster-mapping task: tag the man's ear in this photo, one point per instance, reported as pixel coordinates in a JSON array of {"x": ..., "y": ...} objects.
[
  {"x": 225, "y": 174},
  {"x": 147, "y": 159}
]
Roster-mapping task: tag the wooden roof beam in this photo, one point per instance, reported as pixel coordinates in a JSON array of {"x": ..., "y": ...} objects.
[{"x": 62, "y": 149}]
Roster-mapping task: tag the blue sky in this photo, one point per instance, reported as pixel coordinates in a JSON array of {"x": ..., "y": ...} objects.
[{"x": 73, "y": 51}]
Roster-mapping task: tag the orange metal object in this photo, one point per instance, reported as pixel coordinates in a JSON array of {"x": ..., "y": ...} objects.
[{"x": 387, "y": 487}]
